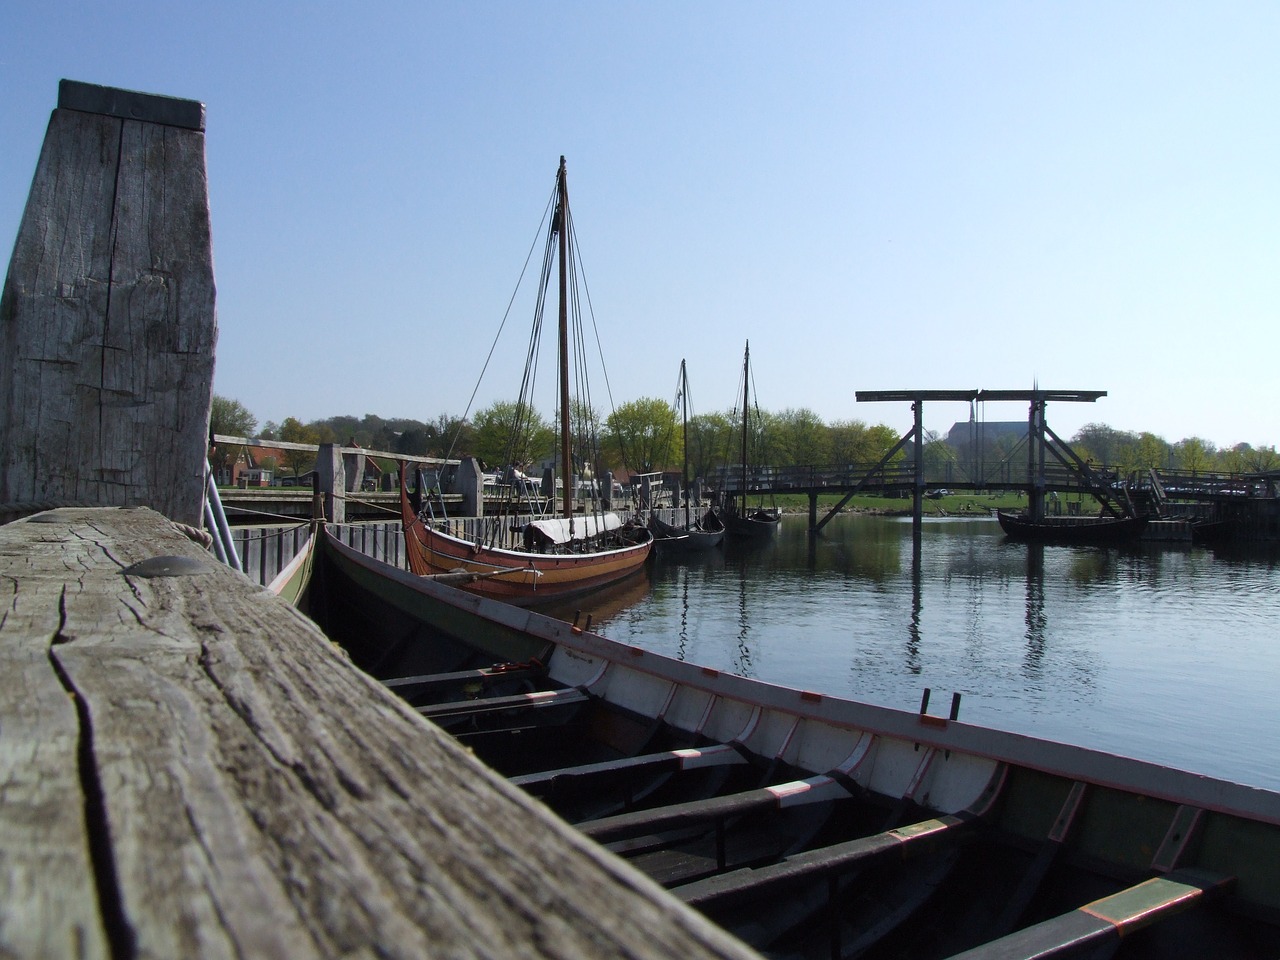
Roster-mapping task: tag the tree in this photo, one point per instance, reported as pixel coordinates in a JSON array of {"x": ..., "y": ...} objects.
[
  {"x": 800, "y": 439},
  {"x": 1152, "y": 453},
  {"x": 881, "y": 439},
  {"x": 452, "y": 435},
  {"x": 711, "y": 439},
  {"x": 643, "y": 434},
  {"x": 1265, "y": 459},
  {"x": 1099, "y": 442},
  {"x": 850, "y": 443},
  {"x": 1194, "y": 454},
  {"x": 293, "y": 431},
  {"x": 229, "y": 418},
  {"x": 510, "y": 434}
]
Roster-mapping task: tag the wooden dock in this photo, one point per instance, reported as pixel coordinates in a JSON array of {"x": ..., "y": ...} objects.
[{"x": 190, "y": 768}]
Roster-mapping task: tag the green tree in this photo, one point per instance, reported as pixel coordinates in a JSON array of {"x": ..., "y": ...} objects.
[
  {"x": 643, "y": 435},
  {"x": 1152, "y": 453},
  {"x": 229, "y": 418},
  {"x": 1098, "y": 442},
  {"x": 849, "y": 442},
  {"x": 453, "y": 434},
  {"x": 799, "y": 439},
  {"x": 711, "y": 439},
  {"x": 293, "y": 430},
  {"x": 1265, "y": 459},
  {"x": 508, "y": 433},
  {"x": 880, "y": 440},
  {"x": 1194, "y": 454}
]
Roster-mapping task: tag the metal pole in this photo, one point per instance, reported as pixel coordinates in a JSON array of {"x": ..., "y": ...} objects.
[{"x": 222, "y": 530}]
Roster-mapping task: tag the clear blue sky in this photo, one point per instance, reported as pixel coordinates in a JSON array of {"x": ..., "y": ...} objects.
[{"x": 880, "y": 196}]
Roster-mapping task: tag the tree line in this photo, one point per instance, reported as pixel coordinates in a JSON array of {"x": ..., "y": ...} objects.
[{"x": 646, "y": 435}]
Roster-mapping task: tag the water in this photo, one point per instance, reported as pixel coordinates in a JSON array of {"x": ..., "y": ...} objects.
[{"x": 1169, "y": 653}]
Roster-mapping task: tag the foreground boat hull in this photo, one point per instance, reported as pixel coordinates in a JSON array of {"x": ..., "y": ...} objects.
[{"x": 799, "y": 821}]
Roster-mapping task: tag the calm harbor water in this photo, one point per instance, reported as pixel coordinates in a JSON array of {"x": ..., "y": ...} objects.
[{"x": 1169, "y": 653}]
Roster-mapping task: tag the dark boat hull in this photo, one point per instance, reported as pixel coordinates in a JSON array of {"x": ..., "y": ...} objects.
[
  {"x": 755, "y": 525},
  {"x": 1100, "y": 530},
  {"x": 670, "y": 538}
]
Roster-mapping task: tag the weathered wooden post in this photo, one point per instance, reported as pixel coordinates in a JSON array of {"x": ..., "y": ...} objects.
[
  {"x": 331, "y": 482},
  {"x": 470, "y": 483},
  {"x": 107, "y": 322},
  {"x": 353, "y": 466}
]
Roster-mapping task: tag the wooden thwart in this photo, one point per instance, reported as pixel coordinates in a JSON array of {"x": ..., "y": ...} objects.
[
  {"x": 1104, "y": 921},
  {"x": 189, "y": 768}
]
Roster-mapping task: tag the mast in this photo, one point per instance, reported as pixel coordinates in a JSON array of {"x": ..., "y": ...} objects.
[
  {"x": 684, "y": 439},
  {"x": 746, "y": 383},
  {"x": 566, "y": 463}
]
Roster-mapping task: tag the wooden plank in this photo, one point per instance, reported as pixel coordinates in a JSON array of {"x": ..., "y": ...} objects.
[
  {"x": 107, "y": 322},
  {"x": 700, "y": 812},
  {"x": 257, "y": 795},
  {"x": 538, "y": 700},
  {"x": 1098, "y": 927},
  {"x": 428, "y": 681},
  {"x": 827, "y": 862},
  {"x": 686, "y": 758},
  {"x": 46, "y": 871}
]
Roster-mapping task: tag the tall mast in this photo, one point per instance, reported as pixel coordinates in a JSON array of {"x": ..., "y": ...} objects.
[
  {"x": 746, "y": 383},
  {"x": 684, "y": 439},
  {"x": 566, "y": 463}
]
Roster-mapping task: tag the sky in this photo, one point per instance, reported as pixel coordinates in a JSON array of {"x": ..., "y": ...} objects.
[{"x": 878, "y": 196}]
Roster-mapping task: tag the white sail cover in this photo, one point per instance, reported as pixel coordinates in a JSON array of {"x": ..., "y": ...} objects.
[{"x": 583, "y": 527}]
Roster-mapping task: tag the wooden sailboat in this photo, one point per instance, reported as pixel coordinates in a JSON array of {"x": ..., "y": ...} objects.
[
  {"x": 740, "y": 520},
  {"x": 694, "y": 535},
  {"x": 553, "y": 557},
  {"x": 1103, "y": 530}
]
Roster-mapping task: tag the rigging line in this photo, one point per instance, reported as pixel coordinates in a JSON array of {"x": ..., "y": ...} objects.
[
  {"x": 523, "y": 414},
  {"x": 591, "y": 310},
  {"x": 506, "y": 314},
  {"x": 587, "y": 434},
  {"x": 279, "y": 531}
]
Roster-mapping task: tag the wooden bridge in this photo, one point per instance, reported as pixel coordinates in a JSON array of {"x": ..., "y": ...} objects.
[{"x": 1049, "y": 467}]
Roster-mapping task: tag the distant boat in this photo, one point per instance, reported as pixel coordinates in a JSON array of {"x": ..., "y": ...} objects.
[
  {"x": 739, "y": 519},
  {"x": 1103, "y": 530},
  {"x": 694, "y": 535},
  {"x": 558, "y": 556},
  {"x": 806, "y": 824},
  {"x": 704, "y": 534}
]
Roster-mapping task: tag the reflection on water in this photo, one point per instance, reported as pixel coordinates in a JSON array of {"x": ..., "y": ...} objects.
[
  {"x": 1035, "y": 610},
  {"x": 1162, "y": 652}
]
